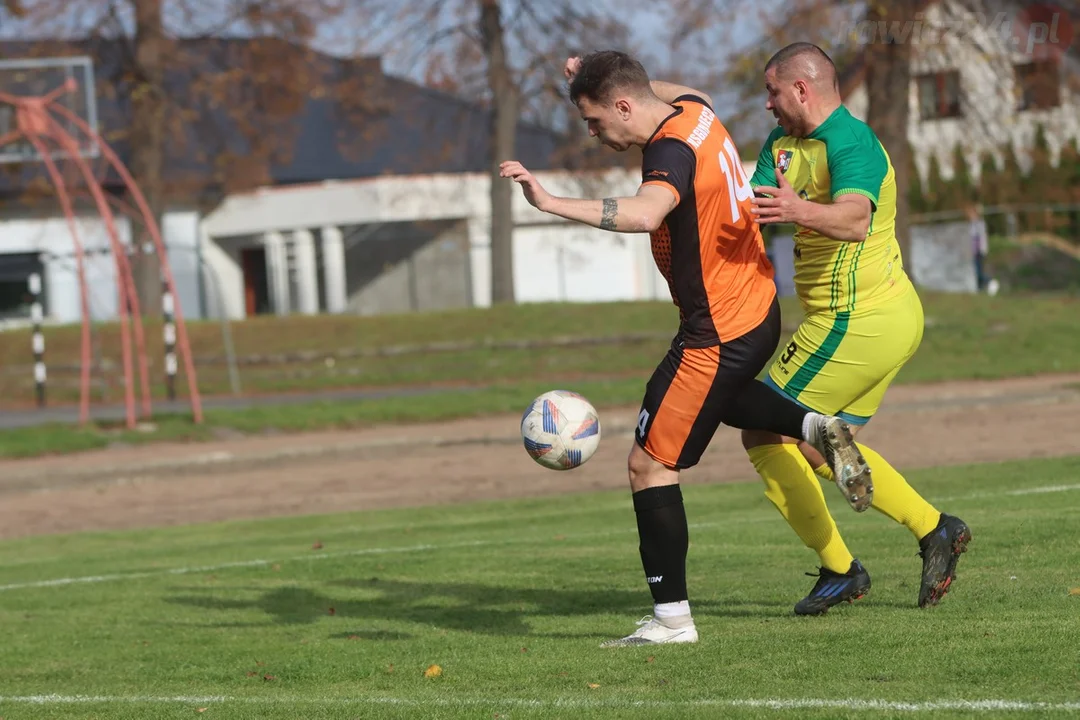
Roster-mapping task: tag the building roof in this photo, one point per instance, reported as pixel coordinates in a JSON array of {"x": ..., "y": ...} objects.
[{"x": 353, "y": 122}]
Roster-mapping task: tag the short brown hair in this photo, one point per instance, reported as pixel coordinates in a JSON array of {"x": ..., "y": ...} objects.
[
  {"x": 817, "y": 59},
  {"x": 603, "y": 73}
]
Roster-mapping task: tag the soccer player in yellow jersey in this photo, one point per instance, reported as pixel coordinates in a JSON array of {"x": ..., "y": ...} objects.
[{"x": 826, "y": 172}]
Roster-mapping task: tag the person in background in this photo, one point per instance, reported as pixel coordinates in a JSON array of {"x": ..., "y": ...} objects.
[{"x": 980, "y": 246}]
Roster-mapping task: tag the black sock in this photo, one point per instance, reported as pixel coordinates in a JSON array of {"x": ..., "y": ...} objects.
[
  {"x": 661, "y": 521},
  {"x": 758, "y": 407}
]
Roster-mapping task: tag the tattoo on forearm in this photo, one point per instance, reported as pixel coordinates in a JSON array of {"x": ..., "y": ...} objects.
[{"x": 611, "y": 209}]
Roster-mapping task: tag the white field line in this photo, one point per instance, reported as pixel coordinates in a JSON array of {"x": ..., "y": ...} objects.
[
  {"x": 91, "y": 579},
  {"x": 988, "y": 706},
  {"x": 1049, "y": 489},
  {"x": 1021, "y": 491}
]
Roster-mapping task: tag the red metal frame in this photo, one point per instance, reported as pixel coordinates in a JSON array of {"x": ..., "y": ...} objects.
[{"x": 35, "y": 123}]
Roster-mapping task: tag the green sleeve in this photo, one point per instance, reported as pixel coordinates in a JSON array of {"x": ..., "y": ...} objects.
[
  {"x": 765, "y": 173},
  {"x": 857, "y": 163}
]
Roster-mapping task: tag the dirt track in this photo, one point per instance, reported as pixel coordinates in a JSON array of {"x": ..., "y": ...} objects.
[{"x": 920, "y": 426}]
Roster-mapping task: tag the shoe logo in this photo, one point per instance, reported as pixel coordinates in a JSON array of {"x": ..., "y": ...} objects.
[
  {"x": 832, "y": 589},
  {"x": 654, "y": 579}
]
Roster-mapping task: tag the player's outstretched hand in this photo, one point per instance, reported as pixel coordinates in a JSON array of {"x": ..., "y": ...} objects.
[
  {"x": 535, "y": 193},
  {"x": 570, "y": 70},
  {"x": 782, "y": 207}
]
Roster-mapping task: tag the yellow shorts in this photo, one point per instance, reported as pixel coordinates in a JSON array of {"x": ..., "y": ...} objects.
[{"x": 841, "y": 364}]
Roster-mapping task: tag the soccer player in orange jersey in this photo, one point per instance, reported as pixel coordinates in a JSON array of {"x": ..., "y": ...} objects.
[{"x": 695, "y": 203}]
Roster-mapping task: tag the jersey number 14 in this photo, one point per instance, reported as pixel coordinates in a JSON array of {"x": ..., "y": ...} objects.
[{"x": 738, "y": 184}]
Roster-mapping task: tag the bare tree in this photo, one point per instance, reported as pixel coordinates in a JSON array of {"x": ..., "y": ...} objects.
[
  {"x": 504, "y": 121},
  {"x": 508, "y": 55},
  {"x": 888, "y": 77},
  {"x": 148, "y": 142}
]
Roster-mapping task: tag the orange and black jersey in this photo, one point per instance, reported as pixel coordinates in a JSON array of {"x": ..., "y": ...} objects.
[{"x": 709, "y": 247}]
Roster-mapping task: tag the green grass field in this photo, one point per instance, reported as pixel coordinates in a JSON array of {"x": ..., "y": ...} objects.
[
  {"x": 340, "y": 616},
  {"x": 609, "y": 352},
  {"x": 967, "y": 336}
]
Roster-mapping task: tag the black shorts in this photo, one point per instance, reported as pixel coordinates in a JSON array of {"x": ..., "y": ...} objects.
[{"x": 692, "y": 390}]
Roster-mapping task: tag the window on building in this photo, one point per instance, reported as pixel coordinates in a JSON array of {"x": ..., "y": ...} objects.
[
  {"x": 1038, "y": 85},
  {"x": 939, "y": 95},
  {"x": 15, "y": 270}
]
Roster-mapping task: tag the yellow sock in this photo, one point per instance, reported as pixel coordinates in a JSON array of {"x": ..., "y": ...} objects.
[
  {"x": 791, "y": 486},
  {"x": 895, "y": 498},
  {"x": 825, "y": 473}
]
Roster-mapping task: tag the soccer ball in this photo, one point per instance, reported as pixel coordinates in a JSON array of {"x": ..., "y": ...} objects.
[{"x": 560, "y": 430}]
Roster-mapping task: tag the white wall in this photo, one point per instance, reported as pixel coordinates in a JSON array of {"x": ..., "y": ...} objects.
[
  {"x": 53, "y": 237},
  {"x": 575, "y": 263},
  {"x": 597, "y": 265},
  {"x": 180, "y": 231},
  {"x": 223, "y": 278}
]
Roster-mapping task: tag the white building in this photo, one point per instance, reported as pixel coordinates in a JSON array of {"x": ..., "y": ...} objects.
[
  {"x": 317, "y": 238},
  {"x": 985, "y": 75}
]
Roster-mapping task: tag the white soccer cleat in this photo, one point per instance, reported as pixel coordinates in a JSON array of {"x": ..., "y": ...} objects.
[
  {"x": 652, "y": 631},
  {"x": 833, "y": 439}
]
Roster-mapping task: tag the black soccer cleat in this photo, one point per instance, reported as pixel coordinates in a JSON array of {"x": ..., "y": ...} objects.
[
  {"x": 833, "y": 588},
  {"x": 940, "y": 550}
]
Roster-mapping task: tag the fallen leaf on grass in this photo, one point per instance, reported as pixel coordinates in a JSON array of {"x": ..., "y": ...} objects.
[
  {"x": 276, "y": 567},
  {"x": 433, "y": 671},
  {"x": 593, "y": 686},
  {"x": 390, "y": 669},
  {"x": 200, "y": 709},
  {"x": 1075, "y": 591},
  {"x": 269, "y": 677},
  {"x": 252, "y": 673},
  {"x": 317, "y": 545},
  {"x": 333, "y": 611},
  {"x": 651, "y": 658}
]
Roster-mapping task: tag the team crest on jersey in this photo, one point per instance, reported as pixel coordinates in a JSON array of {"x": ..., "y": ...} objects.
[{"x": 783, "y": 160}]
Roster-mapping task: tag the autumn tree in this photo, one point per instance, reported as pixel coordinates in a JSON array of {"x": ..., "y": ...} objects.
[
  {"x": 888, "y": 77},
  {"x": 739, "y": 74},
  {"x": 875, "y": 42},
  {"x": 508, "y": 55}
]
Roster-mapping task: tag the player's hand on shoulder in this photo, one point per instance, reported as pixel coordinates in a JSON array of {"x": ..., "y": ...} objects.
[{"x": 534, "y": 192}]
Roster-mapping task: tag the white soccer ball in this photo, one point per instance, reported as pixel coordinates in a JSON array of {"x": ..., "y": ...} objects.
[{"x": 560, "y": 430}]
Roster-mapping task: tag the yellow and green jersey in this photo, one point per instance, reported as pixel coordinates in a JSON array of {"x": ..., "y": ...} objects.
[{"x": 841, "y": 156}]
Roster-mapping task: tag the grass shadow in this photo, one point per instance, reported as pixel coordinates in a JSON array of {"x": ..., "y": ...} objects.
[{"x": 465, "y": 607}]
